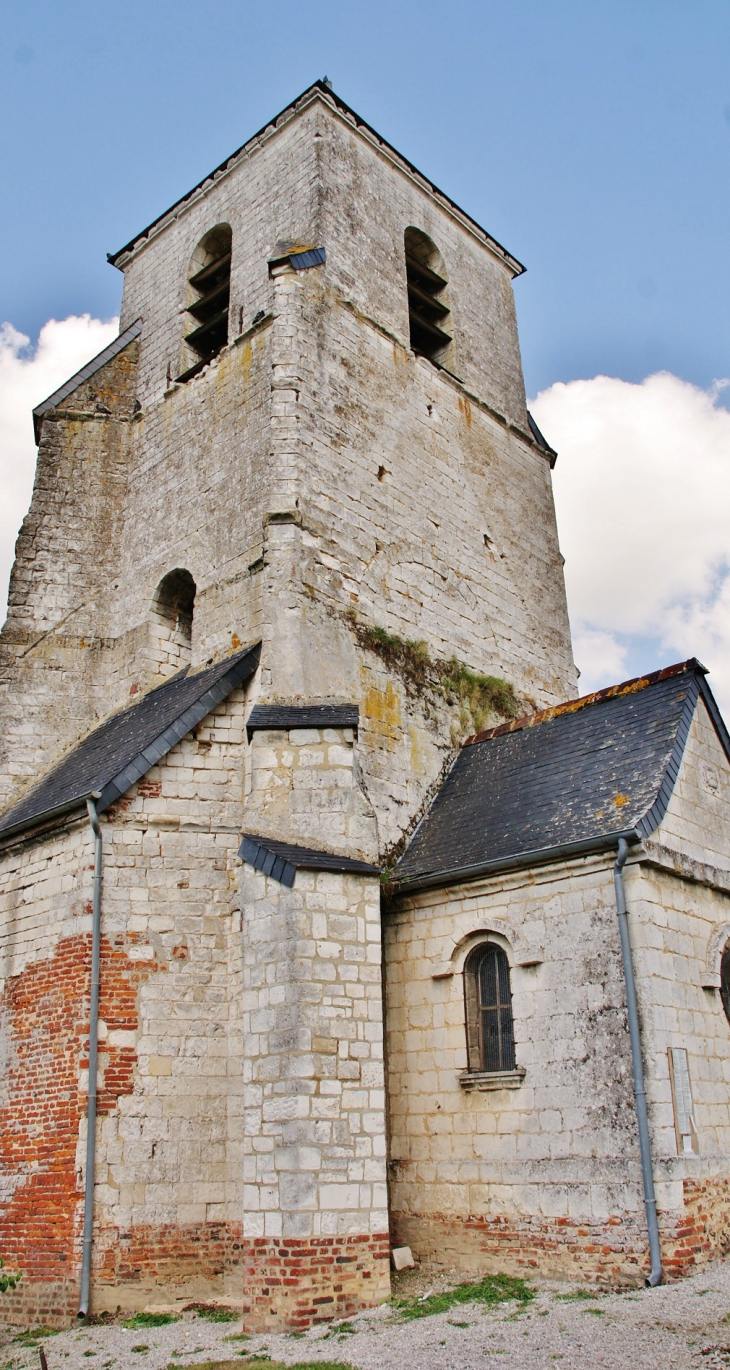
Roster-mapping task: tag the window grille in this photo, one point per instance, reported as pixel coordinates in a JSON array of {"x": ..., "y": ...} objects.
[{"x": 490, "y": 1029}]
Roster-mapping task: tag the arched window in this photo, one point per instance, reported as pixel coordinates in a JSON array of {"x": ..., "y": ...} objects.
[
  {"x": 171, "y": 623},
  {"x": 725, "y": 981},
  {"x": 428, "y": 306},
  {"x": 209, "y": 289},
  {"x": 489, "y": 1030}
]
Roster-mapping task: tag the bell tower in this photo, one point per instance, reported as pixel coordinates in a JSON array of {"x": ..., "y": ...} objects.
[{"x": 312, "y": 434}]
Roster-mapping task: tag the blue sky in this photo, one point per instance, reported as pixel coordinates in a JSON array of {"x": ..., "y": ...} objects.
[{"x": 592, "y": 139}]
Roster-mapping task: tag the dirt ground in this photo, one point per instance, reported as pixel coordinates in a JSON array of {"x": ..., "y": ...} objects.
[{"x": 684, "y": 1326}]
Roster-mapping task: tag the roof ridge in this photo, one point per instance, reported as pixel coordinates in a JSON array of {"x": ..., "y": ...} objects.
[
  {"x": 326, "y": 93},
  {"x": 571, "y": 706}
]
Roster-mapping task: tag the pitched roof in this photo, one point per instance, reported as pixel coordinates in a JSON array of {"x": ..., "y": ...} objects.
[
  {"x": 323, "y": 91},
  {"x": 126, "y": 745},
  {"x": 282, "y": 860},
  {"x": 286, "y": 716},
  {"x": 568, "y": 779},
  {"x": 91, "y": 368}
]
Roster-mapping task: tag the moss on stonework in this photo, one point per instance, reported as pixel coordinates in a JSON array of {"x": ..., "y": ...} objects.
[{"x": 479, "y": 697}]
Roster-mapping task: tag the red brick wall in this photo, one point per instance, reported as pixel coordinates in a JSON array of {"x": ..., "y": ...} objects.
[
  {"x": 609, "y": 1254},
  {"x": 702, "y": 1233},
  {"x": 164, "y": 1254},
  {"x": 295, "y": 1284},
  {"x": 45, "y": 1017}
]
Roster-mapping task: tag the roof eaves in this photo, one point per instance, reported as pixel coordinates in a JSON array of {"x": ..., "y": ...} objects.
[
  {"x": 318, "y": 90},
  {"x": 96, "y": 363},
  {"x": 542, "y": 856},
  {"x": 282, "y": 860},
  {"x": 542, "y": 441}
]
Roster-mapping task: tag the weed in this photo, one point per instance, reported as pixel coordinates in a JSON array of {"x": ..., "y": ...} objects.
[
  {"x": 264, "y": 1363},
  {"x": 453, "y": 1323},
  {"x": 246, "y": 1336},
  {"x": 597, "y": 1312},
  {"x": 341, "y": 1329},
  {"x": 32, "y": 1336},
  {"x": 150, "y": 1320},
  {"x": 211, "y": 1313},
  {"x": 141, "y": 1347},
  {"x": 576, "y": 1295},
  {"x": 479, "y": 696},
  {"x": 493, "y": 1289}
]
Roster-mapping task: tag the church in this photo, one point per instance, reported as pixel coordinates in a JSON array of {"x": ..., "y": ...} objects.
[{"x": 332, "y": 919}]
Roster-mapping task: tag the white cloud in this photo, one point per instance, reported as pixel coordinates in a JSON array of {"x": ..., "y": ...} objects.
[
  {"x": 26, "y": 377},
  {"x": 642, "y": 490}
]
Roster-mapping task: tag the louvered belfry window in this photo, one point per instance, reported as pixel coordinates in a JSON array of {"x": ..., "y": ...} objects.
[
  {"x": 209, "y": 289},
  {"x": 489, "y": 1025},
  {"x": 428, "y": 308}
]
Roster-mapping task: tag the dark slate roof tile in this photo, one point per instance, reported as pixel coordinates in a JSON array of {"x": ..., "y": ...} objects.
[
  {"x": 574, "y": 776},
  {"x": 124, "y": 747},
  {"x": 285, "y": 716},
  {"x": 282, "y": 859}
]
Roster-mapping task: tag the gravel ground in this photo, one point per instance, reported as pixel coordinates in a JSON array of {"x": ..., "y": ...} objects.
[{"x": 683, "y": 1326}]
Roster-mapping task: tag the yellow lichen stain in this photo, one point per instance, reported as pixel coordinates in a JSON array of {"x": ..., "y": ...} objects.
[
  {"x": 621, "y": 799},
  {"x": 235, "y": 641},
  {"x": 246, "y": 360},
  {"x": 465, "y": 408},
  {"x": 418, "y": 758},
  {"x": 382, "y": 707}
]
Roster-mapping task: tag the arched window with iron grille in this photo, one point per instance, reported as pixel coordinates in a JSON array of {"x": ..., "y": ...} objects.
[{"x": 488, "y": 1000}]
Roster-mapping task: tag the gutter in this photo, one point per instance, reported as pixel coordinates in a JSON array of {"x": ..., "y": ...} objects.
[
  {"x": 637, "y": 1062},
  {"x": 93, "y": 1054},
  {"x": 541, "y": 856}
]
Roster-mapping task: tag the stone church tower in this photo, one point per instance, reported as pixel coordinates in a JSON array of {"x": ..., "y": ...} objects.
[{"x": 311, "y": 435}]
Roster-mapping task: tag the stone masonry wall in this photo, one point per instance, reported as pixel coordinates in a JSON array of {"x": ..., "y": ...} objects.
[
  {"x": 168, "y": 1200},
  {"x": 544, "y": 1175},
  {"x": 315, "y": 1197}
]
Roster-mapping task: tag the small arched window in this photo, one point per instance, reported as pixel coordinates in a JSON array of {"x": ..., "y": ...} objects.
[
  {"x": 209, "y": 290},
  {"x": 171, "y": 623},
  {"x": 488, "y": 997},
  {"x": 428, "y": 305},
  {"x": 725, "y": 981}
]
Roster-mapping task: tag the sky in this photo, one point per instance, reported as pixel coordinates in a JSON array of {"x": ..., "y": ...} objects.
[{"x": 591, "y": 140}]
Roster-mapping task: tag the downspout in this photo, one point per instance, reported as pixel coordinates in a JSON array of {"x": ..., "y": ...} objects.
[
  {"x": 642, "y": 1116},
  {"x": 93, "y": 1051}
]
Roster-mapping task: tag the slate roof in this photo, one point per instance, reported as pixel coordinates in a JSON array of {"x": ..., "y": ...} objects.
[
  {"x": 285, "y": 716},
  {"x": 568, "y": 779},
  {"x": 325, "y": 90},
  {"x": 126, "y": 745},
  {"x": 112, "y": 350},
  {"x": 281, "y": 860}
]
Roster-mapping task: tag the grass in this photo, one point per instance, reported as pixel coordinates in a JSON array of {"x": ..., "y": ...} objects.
[
  {"x": 480, "y": 697},
  {"x": 150, "y": 1320},
  {"x": 576, "y": 1295},
  {"x": 259, "y": 1364},
  {"x": 492, "y": 1290},
  {"x": 213, "y": 1314},
  {"x": 32, "y": 1336},
  {"x": 341, "y": 1329}
]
